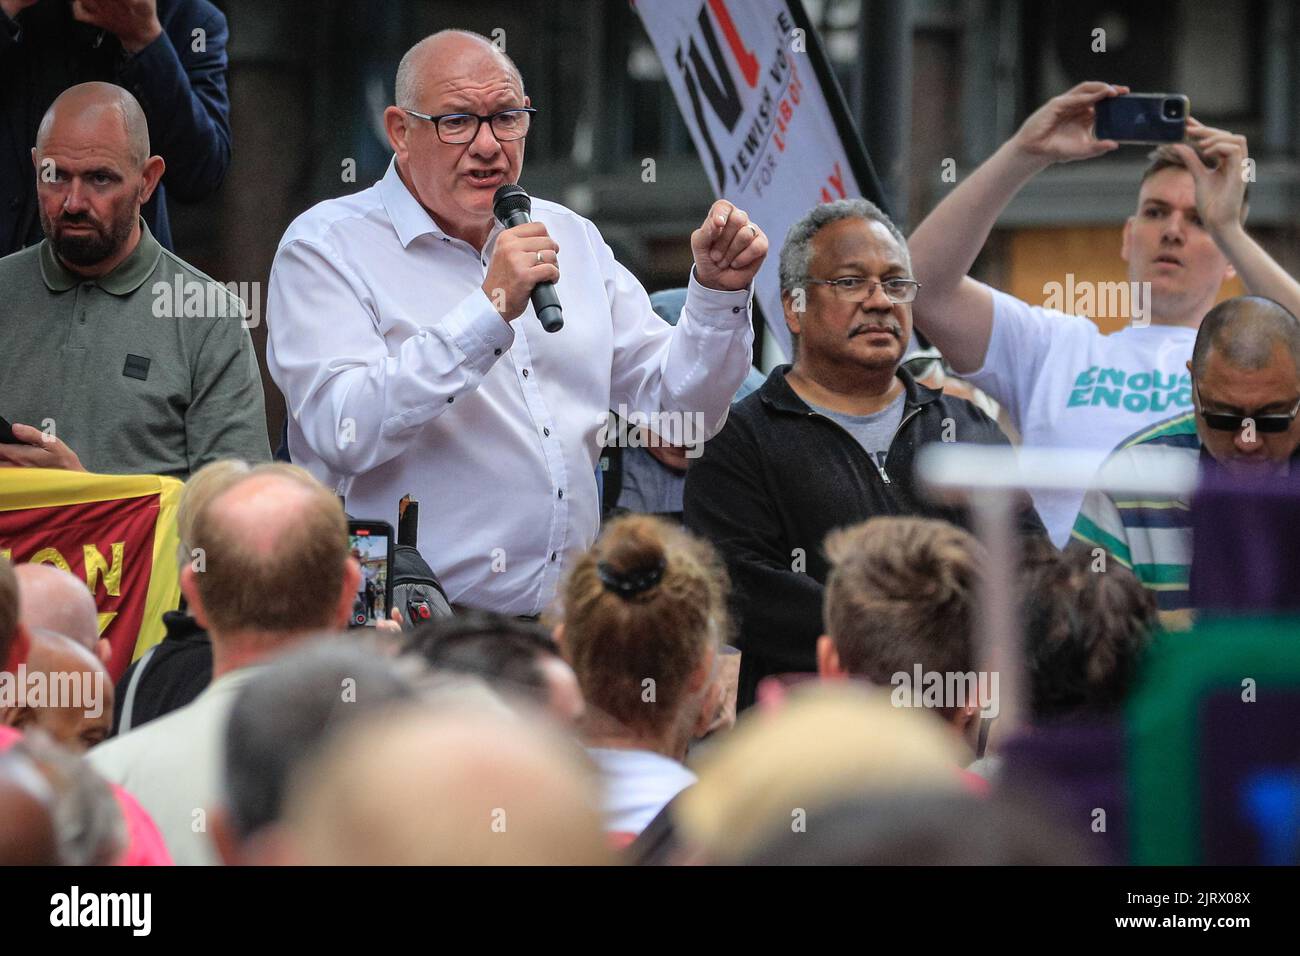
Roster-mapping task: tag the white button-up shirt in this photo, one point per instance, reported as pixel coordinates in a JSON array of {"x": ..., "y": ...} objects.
[{"x": 401, "y": 378}]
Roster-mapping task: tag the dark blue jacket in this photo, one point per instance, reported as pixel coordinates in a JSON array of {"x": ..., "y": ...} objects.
[
  {"x": 43, "y": 51},
  {"x": 779, "y": 477}
]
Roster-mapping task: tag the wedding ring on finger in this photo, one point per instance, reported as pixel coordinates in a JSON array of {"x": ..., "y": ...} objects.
[
  {"x": 754, "y": 229},
  {"x": 540, "y": 260}
]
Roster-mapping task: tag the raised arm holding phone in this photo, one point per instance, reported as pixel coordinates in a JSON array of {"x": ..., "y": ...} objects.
[{"x": 1063, "y": 383}]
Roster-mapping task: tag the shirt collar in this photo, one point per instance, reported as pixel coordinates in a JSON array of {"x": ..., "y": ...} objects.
[
  {"x": 123, "y": 280},
  {"x": 776, "y": 392},
  {"x": 410, "y": 219}
]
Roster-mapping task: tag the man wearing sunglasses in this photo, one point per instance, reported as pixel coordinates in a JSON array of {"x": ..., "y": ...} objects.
[
  {"x": 401, "y": 334},
  {"x": 828, "y": 441},
  {"x": 1246, "y": 391}
]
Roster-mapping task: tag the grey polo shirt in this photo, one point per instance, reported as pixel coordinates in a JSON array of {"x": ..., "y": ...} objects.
[{"x": 147, "y": 370}]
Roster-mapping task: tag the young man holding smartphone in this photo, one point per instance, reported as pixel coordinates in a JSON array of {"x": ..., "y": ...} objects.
[{"x": 1064, "y": 384}]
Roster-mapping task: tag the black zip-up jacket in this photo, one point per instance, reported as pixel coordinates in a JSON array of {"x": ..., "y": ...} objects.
[{"x": 779, "y": 477}]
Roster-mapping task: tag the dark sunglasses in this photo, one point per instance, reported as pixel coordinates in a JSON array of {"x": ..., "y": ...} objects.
[{"x": 1224, "y": 422}]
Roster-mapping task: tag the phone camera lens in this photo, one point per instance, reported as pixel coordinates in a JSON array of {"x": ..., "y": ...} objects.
[{"x": 1173, "y": 109}]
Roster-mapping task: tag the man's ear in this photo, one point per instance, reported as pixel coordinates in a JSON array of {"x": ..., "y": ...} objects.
[
  {"x": 222, "y": 830},
  {"x": 154, "y": 167},
  {"x": 558, "y": 635},
  {"x": 1123, "y": 246},
  {"x": 963, "y": 716},
  {"x": 190, "y": 588},
  {"x": 351, "y": 585},
  {"x": 104, "y": 650},
  {"x": 793, "y": 318},
  {"x": 828, "y": 659},
  {"x": 396, "y": 124}
]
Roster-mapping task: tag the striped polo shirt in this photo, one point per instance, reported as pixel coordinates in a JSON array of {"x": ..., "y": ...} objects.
[{"x": 1151, "y": 536}]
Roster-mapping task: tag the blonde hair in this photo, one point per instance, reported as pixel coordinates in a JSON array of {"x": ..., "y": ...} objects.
[
  {"x": 1166, "y": 157},
  {"x": 204, "y": 485}
]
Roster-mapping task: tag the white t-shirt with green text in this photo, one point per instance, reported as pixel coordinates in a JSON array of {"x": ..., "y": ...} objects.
[{"x": 1066, "y": 385}]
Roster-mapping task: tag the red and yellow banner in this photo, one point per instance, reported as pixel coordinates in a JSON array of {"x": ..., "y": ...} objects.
[{"x": 115, "y": 532}]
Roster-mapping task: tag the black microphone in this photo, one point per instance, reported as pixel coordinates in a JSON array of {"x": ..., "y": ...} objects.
[{"x": 512, "y": 206}]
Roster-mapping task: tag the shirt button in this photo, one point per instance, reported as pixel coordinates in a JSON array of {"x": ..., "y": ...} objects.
[
  {"x": 525, "y": 373},
  {"x": 561, "y": 492},
  {"x": 546, "y": 432},
  {"x": 735, "y": 310},
  {"x": 484, "y": 262},
  {"x": 554, "y": 555},
  {"x": 496, "y": 351},
  {"x": 450, "y": 399}
]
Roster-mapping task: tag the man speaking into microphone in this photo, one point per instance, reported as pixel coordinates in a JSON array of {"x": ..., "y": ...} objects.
[{"x": 411, "y": 360}]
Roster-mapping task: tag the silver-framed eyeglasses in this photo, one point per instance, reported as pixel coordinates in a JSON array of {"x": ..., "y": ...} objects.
[
  {"x": 858, "y": 288},
  {"x": 456, "y": 129}
]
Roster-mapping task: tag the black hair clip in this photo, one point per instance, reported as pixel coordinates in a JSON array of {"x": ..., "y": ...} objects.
[{"x": 630, "y": 584}]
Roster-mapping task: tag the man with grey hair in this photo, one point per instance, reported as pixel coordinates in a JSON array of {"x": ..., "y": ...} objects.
[
  {"x": 120, "y": 358},
  {"x": 279, "y": 720},
  {"x": 828, "y": 441},
  {"x": 411, "y": 361}
]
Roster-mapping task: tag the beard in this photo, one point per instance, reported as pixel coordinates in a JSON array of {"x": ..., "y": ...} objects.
[{"x": 89, "y": 248}]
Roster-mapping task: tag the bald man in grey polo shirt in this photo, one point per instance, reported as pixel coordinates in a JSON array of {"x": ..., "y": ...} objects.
[{"x": 116, "y": 356}]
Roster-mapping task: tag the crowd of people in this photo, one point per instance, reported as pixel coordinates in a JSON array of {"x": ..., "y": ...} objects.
[{"x": 762, "y": 645}]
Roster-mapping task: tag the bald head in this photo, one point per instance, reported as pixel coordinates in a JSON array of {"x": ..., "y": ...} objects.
[
  {"x": 93, "y": 174},
  {"x": 447, "y": 787},
  {"x": 100, "y": 114},
  {"x": 54, "y": 600},
  {"x": 1246, "y": 331},
  {"x": 55, "y": 653},
  {"x": 447, "y": 53},
  {"x": 272, "y": 556},
  {"x": 77, "y": 711}
]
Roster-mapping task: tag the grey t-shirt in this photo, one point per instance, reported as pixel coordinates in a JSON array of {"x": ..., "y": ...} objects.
[
  {"x": 650, "y": 487},
  {"x": 873, "y": 432}
]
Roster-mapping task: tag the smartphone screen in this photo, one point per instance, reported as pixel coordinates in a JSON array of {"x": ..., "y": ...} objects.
[{"x": 371, "y": 543}]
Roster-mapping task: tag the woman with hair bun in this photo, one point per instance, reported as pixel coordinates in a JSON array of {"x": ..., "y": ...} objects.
[{"x": 644, "y": 616}]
